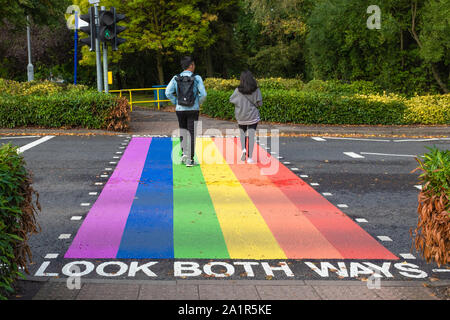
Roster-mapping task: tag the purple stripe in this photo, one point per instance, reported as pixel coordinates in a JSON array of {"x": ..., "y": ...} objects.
[{"x": 101, "y": 232}]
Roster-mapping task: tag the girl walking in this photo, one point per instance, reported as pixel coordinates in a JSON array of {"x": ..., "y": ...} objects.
[{"x": 247, "y": 99}]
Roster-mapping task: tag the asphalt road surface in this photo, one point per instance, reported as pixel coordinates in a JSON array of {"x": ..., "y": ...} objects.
[{"x": 369, "y": 180}]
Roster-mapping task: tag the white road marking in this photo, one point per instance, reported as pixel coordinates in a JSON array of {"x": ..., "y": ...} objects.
[
  {"x": 418, "y": 187},
  {"x": 342, "y": 205},
  {"x": 119, "y": 152},
  {"x": 116, "y": 157},
  {"x": 76, "y": 218},
  {"x": 384, "y": 238},
  {"x": 84, "y": 204},
  {"x": 113, "y": 162},
  {"x": 19, "y": 137},
  {"x": 318, "y": 139},
  {"x": 407, "y": 256},
  {"x": 103, "y": 176},
  {"x": 51, "y": 256},
  {"x": 359, "y": 139},
  {"x": 389, "y": 154},
  {"x": 108, "y": 169},
  {"x": 286, "y": 162},
  {"x": 64, "y": 236},
  {"x": 93, "y": 193},
  {"x": 441, "y": 270},
  {"x": 361, "y": 220},
  {"x": 99, "y": 183},
  {"x": 314, "y": 184},
  {"x": 327, "y": 194},
  {"x": 354, "y": 155},
  {"x": 304, "y": 176},
  {"x": 34, "y": 143},
  {"x": 294, "y": 169},
  {"x": 417, "y": 140}
]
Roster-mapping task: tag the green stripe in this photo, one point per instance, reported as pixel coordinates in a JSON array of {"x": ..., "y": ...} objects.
[{"x": 197, "y": 232}]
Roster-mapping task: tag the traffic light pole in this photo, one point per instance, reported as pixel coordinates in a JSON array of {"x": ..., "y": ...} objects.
[
  {"x": 105, "y": 64},
  {"x": 97, "y": 52}
]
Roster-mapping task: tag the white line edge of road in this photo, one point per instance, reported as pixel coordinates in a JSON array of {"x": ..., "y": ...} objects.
[
  {"x": 20, "y": 137},
  {"x": 34, "y": 143},
  {"x": 389, "y": 154},
  {"x": 359, "y": 139}
]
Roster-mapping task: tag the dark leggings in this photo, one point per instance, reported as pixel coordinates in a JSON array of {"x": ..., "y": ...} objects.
[
  {"x": 248, "y": 140},
  {"x": 186, "y": 122}
]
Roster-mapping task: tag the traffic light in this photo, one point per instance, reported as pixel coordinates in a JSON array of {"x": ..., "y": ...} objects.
[
  {"x": 90, "y": 30},
  {"x": 108, "y": 27},
  {"x": 117, "y": 29}
]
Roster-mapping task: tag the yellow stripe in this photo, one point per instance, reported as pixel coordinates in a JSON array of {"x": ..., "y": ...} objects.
[{"x": 246, "y": 233}]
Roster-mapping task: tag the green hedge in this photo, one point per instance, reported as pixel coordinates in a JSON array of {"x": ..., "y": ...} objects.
[
  {"x": 46, "y": 104},
  {"x": 315, "y": 107},
  {"x": 17, "y": 217}
]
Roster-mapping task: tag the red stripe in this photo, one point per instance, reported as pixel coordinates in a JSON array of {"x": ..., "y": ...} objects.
[{"x": 341, "y": 231}]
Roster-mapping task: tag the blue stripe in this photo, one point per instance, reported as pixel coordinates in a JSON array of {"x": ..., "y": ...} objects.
[{"x": 149, "y": 229}]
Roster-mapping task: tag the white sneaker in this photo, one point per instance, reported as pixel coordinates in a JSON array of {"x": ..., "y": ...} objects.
[
  {"x": 184, "y": 158},
  {"x": 243, "y": 155},
  {"x": 251, "y": 161}
]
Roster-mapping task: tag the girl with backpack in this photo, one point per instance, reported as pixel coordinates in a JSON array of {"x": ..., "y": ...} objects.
[{"x": 247, "y": 99}]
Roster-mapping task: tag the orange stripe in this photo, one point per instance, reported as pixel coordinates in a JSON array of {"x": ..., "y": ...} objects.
[{"x": 295, "y": 234}]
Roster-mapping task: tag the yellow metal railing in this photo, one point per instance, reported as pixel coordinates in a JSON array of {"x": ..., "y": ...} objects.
[{"x": 158, "y": 101}]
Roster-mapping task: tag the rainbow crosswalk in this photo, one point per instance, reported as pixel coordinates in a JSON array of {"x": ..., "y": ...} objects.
[{"x": 154, "y": 208}]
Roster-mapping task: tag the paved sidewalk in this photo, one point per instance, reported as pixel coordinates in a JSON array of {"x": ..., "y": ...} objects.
[{"x": 57, "y": 289}]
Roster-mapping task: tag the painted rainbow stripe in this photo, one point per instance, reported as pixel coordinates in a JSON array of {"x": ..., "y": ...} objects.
[{"x": 154, "y": 208}]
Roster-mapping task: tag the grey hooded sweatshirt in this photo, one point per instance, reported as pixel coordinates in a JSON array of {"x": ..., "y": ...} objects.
[{"x": 246, "y": 106}]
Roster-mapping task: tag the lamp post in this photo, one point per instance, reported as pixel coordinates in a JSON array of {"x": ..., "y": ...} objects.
[{"x": 30, "y": 68}]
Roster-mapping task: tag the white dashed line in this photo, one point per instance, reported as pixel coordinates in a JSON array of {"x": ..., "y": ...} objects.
[
  {"x": 295, "y": 169},
  {"x": 64, "y": 236},
  {"x": 51, "y": 256},
  {"x": 116, "y": 157},
  {"x": 318, "y": 139},
  {"x": 108, "y": 169},
  {"x": 303, "y": 176},
  {"x": 103, "y": 176},
  {"x": 93, "y": 193},
  {"x": 327, "y": 194},
  {"x": 354, "y": 155},
  {"x": 361, "y": 220},
  {"x": 286, "y": 162},
  {"x": 85, "y": 204},
  {"x": 384, "y": 238},
  {"x": 112, "y": 162},
  {"x": 76, "y": 218},
  {"x": 407, "y": 256},
  {"x": 342, "y": 205},
  {"x": 314, "y": 184},
  {"x": 99, "y": 183},
  {"x": 119, "y": 152}
]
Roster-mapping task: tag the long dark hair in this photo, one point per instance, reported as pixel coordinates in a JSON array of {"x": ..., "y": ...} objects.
[{"x": 248, "y": 83}]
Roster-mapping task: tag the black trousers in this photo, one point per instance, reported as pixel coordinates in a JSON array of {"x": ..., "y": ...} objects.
[
  {"x": 186, "y": 122},
  {"x": 247, "y": 142}
]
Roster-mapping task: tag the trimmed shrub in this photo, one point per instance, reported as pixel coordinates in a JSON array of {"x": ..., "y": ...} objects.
[
  {"x": 304, "y": 107},
  {"x": 316, "y": 107},
  {"x": 432, "y": 234},
  {"x": 18, "y": 209},
  {"x": 48, "y": 105},
  {"x": 432, "y": 109},
  {"x": 266, "y": 83}
]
